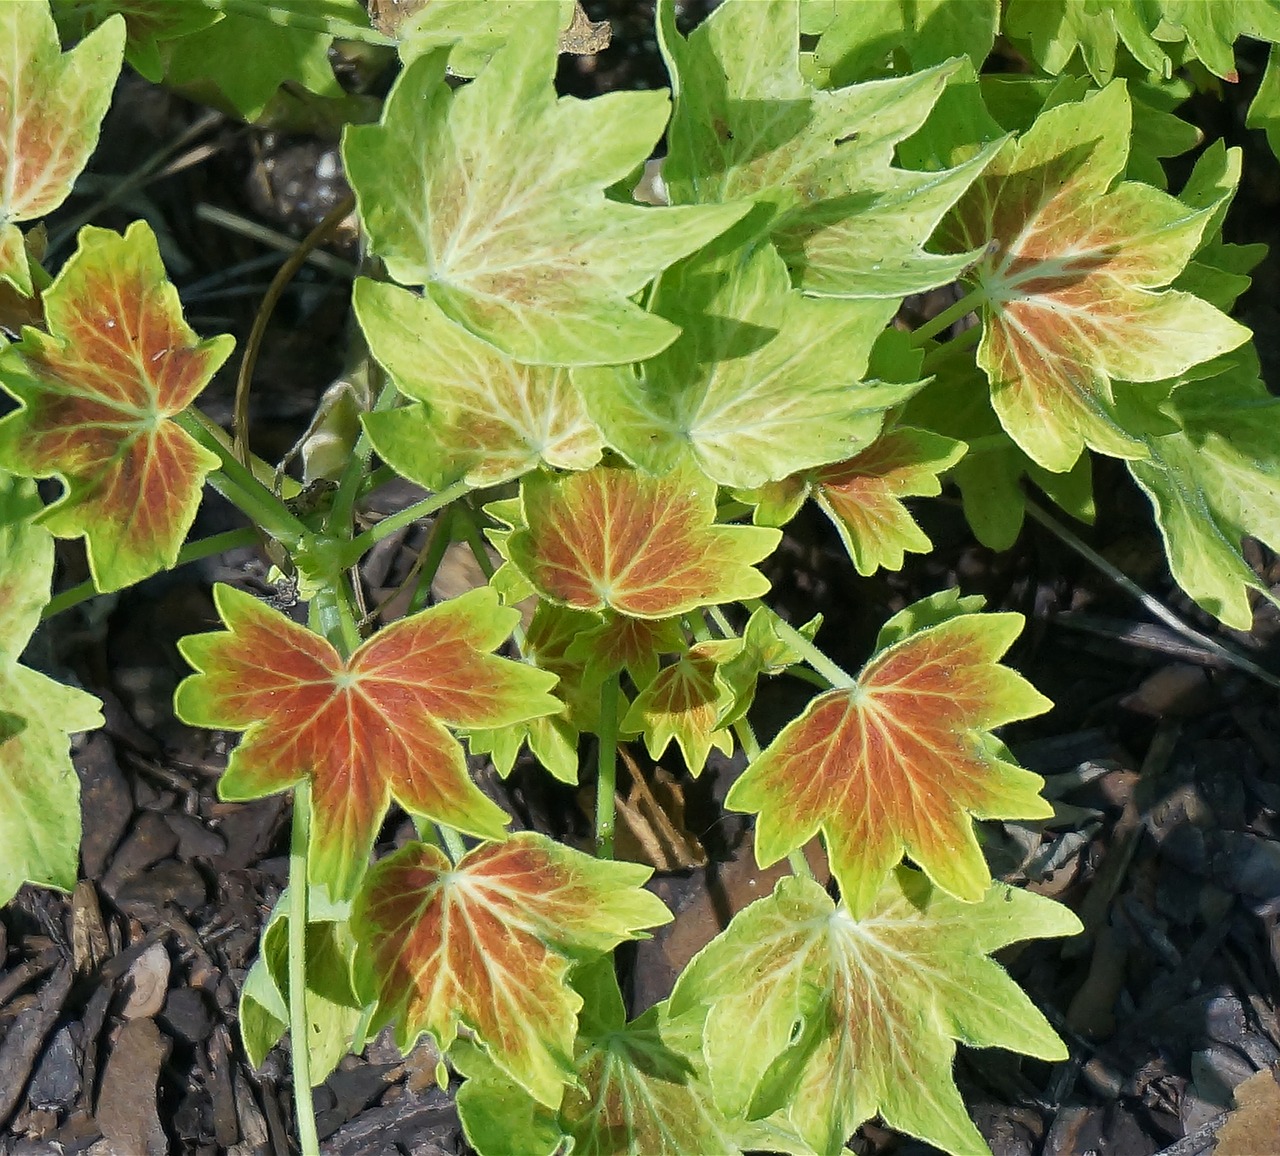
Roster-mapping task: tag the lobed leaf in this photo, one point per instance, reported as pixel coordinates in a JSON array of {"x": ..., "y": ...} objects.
[
  {"x": 748, "y": 125},
  {"x": 527, "y": 254},
  {"x": 827, "y": 1019},
  {"x": 644, "y": 546},
  {"x": 485, "y": 418},
  {"x": 899, "y": 761},
  {"x": 488, "y": 943},
  {"x": 148, "y": 25},
  {"x": 39, "y": 789},
  {"x": 98, "y": 393},
  {"x": 366, "y": 729},
  {"x": 762, "y": 381},
  {"x": 1070, "y": 283},
  {"x": 51, "y": 108}
]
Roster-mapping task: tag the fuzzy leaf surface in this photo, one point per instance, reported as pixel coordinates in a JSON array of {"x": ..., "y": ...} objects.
[
  {"x": 51, "y": 107},
  {"x": 364, "y": 730},
  {"x": 748, "y": 125},
  {"x": 899, "y": 761},
  {"x": 1213, "y": 477},
  {"x": 832, "y": 1018},
  {"x": 645, "y": 546},
  {"x": 762, "y": 381},
  {"x": 527, "y": 254},
  {"x": 40, "y": 813},
  {"x": 98, "y": 392},
  {"x": 489, "y": 942},
  {"x": 1072, "y": 281},
  {"x": 485, "y": 418}
]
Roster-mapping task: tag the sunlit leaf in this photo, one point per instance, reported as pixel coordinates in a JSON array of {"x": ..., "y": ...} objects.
[
  {"x": 1213, "y": 476},
  {"x": 828, "y": 1019},
  {"x": 641, "y": 1091},
  {"x": 527, "y": 254},
  {"x": 488, "y": 944},
  {"x": 687, "y": 702},
  {"x": 364, "y": 730},
  {"x": 762, "y": 381},
  {"x": 863, "y": 496},
  {"x": 1071, "y": 279},
  {"x": 899, "y": 761},
  {"x": 485, "y": 417},
  {"x": 635, "y": 645},
  {"x": 98, "y": 392},
  {"x": 748, "y": 125},
  {"x": 475, "y": 29},
  {"x": 39, "y": 790},
  {"x": 51, "y": 107},
  {"x": 646, "y": 546}
]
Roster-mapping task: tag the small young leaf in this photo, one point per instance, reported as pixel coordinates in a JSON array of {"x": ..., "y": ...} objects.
[
  {"x": 620, "y": 540},
  {"x": 839, "y": 1018},
  {"x": 747, "y": 125},
  {"x": 39, "y": 790},
  {"x": 489, "y": 942},
  {"x": 363, "y": 730},
  {"x": 528, "y": 255},
  {"x": 863, "y": 496},
  {"x": 51, "y": 107},
  {"x": 899, "y": 762},
  {"x": 687, "y": 702},
  {"x": 98, "y": 392},
  {"x": 632, "y": 644},
  {"x": 762, "y": 381},
  {"x": 486, "y": 418},
  {"x": 1070, "y": 278}
]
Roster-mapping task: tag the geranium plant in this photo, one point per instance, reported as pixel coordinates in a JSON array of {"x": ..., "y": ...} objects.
[{"x": 631, "y": 400}]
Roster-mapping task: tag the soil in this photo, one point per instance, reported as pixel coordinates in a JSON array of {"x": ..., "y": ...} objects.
[{"x": 118, "y": 1003}]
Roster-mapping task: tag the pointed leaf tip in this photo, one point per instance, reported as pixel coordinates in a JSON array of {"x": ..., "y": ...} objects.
[
  {"x": 365, "y": 730},
  {"x": 900, "y": 761}
]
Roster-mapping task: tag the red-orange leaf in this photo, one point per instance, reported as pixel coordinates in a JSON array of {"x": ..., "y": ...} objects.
[
  {"x": 1073, "y": 277},
  {"x": 488, "y": 943},
  {"x": 900, "y": 760},
  {"x": 617, "y": 539},
  {"x": 362, "y": 730},
  {"x": 98, "y": 392}
]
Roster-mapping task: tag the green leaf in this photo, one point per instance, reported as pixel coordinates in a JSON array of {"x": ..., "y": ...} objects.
[
  {"x": 148, "y": 25},
  {"x": 1264, "y": 111},
  {"x": 529, "y": 254},
  {"x": 1213, "y": 480},
  {"x": 51, "y": 107},
  {"x": 98, "y": 393},
  {"x": 39, "y": 789},
  {"x": 484, "y": 417},
  {"x": 366, "y": 729},
  {"x": 861, "y": 39},
  {"x": 334, "y": 1011},
  {"x": 649, "y": 547},
  {"x": 488, "y": 943},
  {"x": 245, "y": 59},
  {"x": 840, "y": 1018},
  {"x": 1070, "y": 284},
  {"x": 473, "y": 29},
  {"x": 762, "y": 381},
  {"x": 899, "y": 762},
  {"x": 747, "y": 125}
]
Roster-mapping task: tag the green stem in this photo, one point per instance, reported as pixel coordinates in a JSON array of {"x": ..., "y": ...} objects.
[
  {"x": 722, "y": 623},
  {"x": 299, "y": 1022},
  {"x": 834, "y": 674},
  {"x": 607, "y": 768},
  {"x": 438, "y": 542},
  {"x": 452, "y": 842},
  {"x": 191, "y": 552},
  {"x": 967, "y": 304},
  {"x": 258, "y": 503},
  {"x": 354, "y": 550},
  {"x": 341, "y": 513}
]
